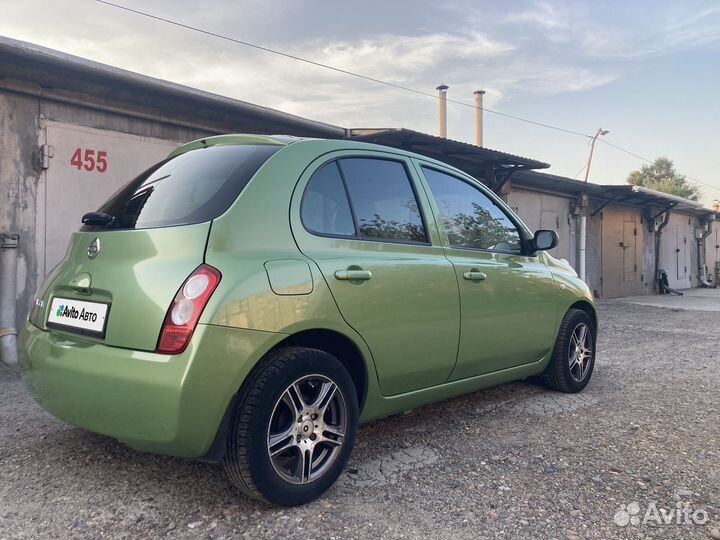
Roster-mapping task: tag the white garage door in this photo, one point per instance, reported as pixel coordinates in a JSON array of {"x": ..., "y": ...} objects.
[
  {"x": 88, "y": 165},
  {"x": 542, "y": 211}
]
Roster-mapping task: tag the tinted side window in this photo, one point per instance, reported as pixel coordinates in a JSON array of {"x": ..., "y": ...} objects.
[
  {"x": 471, "y": 219},
  {"x": 383, "y": 199},
  {"x": 325, "y": 208},
  {"x": 193, "y": 187}
]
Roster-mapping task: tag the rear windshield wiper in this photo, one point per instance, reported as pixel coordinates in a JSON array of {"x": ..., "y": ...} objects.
[{"x": 98, "y": 218}]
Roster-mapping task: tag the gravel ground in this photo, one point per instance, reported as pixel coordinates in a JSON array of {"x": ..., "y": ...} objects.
[{"x": 511, "y": 462}]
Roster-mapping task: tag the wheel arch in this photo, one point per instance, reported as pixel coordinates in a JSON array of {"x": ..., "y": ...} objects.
[
  {"x": 588, "y": 308},
  {"x": 332, "y": 342},
  {"x": 341, "y": 347}
]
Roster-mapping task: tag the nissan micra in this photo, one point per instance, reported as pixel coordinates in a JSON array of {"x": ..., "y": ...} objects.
[{"x": 251, "y": 299}]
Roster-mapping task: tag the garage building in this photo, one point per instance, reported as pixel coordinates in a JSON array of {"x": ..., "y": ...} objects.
[
  {"x": 632, "y": 232},
  {"x": 73, "y": 131}
]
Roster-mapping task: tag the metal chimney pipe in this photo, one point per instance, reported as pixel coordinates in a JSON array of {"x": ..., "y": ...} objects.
[
  {"x": 442, "y": 95},
  {"x": 479, "y": 117}
]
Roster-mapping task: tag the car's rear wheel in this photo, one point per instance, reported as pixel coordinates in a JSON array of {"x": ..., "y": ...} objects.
[
  {"x": 573, "y": 359},
  {"x": 293, "y": 428}
]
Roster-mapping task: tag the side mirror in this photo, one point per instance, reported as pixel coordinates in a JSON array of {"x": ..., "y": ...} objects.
[{"x": 545, "y": 240}]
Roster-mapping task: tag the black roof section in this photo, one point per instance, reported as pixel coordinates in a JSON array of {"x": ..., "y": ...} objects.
[
  {"x": 608, "y": 194},
  {"x": 474, "y": 160}
]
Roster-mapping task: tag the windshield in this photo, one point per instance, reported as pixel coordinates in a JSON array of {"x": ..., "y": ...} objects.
[{"x": 193, "y": 187}]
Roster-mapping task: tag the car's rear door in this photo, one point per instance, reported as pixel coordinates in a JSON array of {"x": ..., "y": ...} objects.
[
  {"x": 507, "y": 297},
  {"x": 360, "y": 217}
]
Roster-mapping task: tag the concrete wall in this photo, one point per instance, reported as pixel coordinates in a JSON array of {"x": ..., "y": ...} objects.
[
  {"x": 19, "y": 175},
  {"x": 23, "y": 123},
  {"x": 712, "y": 250},
  {"x": 593, "y": 253}
]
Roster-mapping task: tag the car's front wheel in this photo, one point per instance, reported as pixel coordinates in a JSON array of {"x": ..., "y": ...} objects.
[
  {"x": 293, "y": 428},
  {"x": 573, "y": 359}
]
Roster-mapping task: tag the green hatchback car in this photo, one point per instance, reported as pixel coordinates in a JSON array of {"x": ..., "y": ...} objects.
[{"x": 251, "y": 299}]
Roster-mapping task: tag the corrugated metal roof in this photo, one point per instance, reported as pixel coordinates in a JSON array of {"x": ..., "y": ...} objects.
[
  {"x": 470, "y": 158},
  {"x": 618, "y": 193}
]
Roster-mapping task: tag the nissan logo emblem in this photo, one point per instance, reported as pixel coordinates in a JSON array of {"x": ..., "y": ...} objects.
[{"x": 94, "y": 248}]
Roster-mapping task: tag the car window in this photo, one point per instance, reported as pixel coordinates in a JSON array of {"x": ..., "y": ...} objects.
[
  {"x": 325, "y": 208},
  {"x": 193, "y": 187},
  {"x": 383, "y": 200},
  {"x": 472, "y": 220}
]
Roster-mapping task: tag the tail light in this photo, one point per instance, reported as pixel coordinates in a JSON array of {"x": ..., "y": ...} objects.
[{"x": 186, "y": 308}]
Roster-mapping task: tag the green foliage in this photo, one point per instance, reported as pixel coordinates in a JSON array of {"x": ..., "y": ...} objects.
[
  {"x": 477, "y": 230},
  {"x": 481, "y": 230},
  {"x": 662, "y": 176}
]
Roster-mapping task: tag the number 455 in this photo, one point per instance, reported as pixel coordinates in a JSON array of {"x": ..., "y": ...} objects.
[{"x": 89, "y": 160}]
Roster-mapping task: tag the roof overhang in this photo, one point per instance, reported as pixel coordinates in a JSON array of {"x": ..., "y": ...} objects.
[
  {"x": 474, "y": 160},
  {"x": 31, "y": 69},
  {"x": 608, "y": 194}
]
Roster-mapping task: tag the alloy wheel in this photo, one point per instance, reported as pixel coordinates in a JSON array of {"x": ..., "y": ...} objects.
[
  {"x": 580, "y": 352},
  {"x": 307, "y": 429}
]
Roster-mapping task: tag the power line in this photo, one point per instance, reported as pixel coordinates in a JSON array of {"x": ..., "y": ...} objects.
[
  {"x": 626, "y": 151},
  {"x": 652, "y": 161},
  {"x": 580, "y": 171},
  {"x": 376, "y": 81},
  {"x": 333, "y": 68}
]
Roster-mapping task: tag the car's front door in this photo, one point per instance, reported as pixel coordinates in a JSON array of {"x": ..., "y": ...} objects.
[
  {"x": 507, "y": 296},
  {"x": 360, "y": 218}
]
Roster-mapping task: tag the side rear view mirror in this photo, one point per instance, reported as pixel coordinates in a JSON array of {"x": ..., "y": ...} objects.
[{"x": 545, "y": 240}]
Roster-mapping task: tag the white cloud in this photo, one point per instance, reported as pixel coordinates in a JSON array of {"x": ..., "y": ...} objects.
[{"x": 542, "y": 14}]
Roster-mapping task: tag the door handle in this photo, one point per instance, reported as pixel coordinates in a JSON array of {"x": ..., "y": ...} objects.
[
  {"x": 474, "y": 275},
  {"x": 353, "y": 275}
]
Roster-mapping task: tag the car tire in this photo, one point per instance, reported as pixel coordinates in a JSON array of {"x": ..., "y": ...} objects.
[
  {"x": 573, "y": 359},
  {"x": 310, "y": 439}
]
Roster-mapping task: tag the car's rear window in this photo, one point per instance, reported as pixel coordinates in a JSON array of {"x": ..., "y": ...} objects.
[{"x": 193, "y": 187}]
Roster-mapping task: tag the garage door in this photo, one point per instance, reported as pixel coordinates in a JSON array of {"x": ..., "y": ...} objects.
[
  {"x": 86, "y": 167},
  {"x": 622, "y": 252},
  {"x": 682, "y": 252},
  {"x": 676, "y": 251},
  {"x": 542, "y": 211}
]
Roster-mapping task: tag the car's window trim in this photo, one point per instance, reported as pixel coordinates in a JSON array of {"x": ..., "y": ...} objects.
[
  {"x": 242, "y": 186},
  {"x": 347, "y": 197},
  {"x": 474, "y": 183},
  {"x": 409, "y": 178},
  {"x": 358, "y": 237}
]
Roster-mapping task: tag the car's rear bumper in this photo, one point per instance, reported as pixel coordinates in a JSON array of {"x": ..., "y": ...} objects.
[{"x": 152, "y": 402}]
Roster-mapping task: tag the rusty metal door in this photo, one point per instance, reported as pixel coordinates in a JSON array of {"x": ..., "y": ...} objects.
[
  {"x": 83, "y": 167},
  {"x": 630, "y": 251},
  {"x": 622, "y": 252}
]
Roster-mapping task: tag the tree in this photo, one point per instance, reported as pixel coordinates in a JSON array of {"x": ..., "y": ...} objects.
[{"x": 662, "y": 176}]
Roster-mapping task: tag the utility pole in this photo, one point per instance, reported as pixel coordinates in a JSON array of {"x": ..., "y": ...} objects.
[
  {"x": 600, "y": 131},
  {"x": 583, "y": 217}
]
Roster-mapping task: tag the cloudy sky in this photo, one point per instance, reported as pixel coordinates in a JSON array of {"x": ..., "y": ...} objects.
[{"x": 647, "y": 71}]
